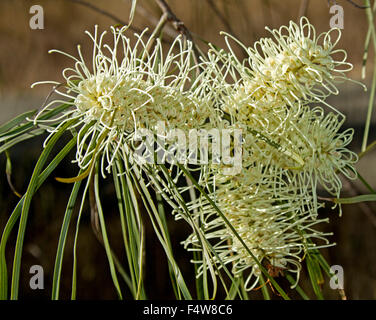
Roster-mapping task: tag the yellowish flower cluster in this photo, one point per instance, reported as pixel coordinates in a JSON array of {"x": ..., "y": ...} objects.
[
  {"x": 289, "y": 148},
  {"x": 131, "y": 86},
  {"x": 271, "y": 97},
  {"x": 296, "y": 64},
  {"x": 130, "y": 104},
  {"x": 269, "y": 216}
]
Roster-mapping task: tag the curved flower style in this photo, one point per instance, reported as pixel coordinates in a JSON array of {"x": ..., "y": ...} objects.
[
  {"x": 119, "y": 97},
  {"x": 316, "y": 139},
  {"x": 288, "y": 148},
  {"x": 279, "y": 75},
  {"x": 269, "y": 101},
  {"x": 296, "y": 65},
  {"x": 267, "y": 214}
]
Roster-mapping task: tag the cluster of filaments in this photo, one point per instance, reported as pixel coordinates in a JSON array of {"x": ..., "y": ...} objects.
[
  {"x": 118, "y": 97},
  {"x": 290, "y": 147}
]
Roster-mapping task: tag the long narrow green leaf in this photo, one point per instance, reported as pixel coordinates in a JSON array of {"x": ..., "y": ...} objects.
[
  {"x": 124, "y": 230},
  {"x": 369, "y": 148},
  {"x": 20, "y": 138},
  {"x": 62, "y": 240},
  {"x": 366, "y": 184},
  {"x": 242, "y": 288},
  {"x": 141, "y": 264},
  {"x": 17, "y": 211},
  {"x": 357, "y": 199},
  {"x": 16, "y": 121},
  {"x": 264, "y": 288},
  {"x": 134, "y": 231},
  {"x": 371, "y": 25},
  {"x": 26, "y": 205},
  {"x": 205, "y": 245},
  {"x": 297, "y": 287},
  {"x": 366, "y": 45},
  {"x": 313, "y": 266},
  {"x": 104, "y": 235},
  {"x": 162, "y": 214},
  {"x": 74, "y": 271},
  {"x": 27, "y": 126},
  {"x": 228, "y": 223},
  {"x": 160, "y": 231},
  {"x": 207, "y": 248},
  {"x": 234, "y": 289},
  {"x": 122, "y": 272}
]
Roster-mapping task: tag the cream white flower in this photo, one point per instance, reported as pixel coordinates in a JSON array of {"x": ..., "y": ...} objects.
[
  {"x": 316, "y": 138},
  {"x": 267, "y": 214},
  {"x": 289, "y": 148},
  {"x": 296, "y": 65},
  {"x": 130, "y": 88},
  {"x": 269, "y": 100}
]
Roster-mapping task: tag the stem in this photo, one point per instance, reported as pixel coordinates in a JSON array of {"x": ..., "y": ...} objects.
[{"x": 369, "y": 13}]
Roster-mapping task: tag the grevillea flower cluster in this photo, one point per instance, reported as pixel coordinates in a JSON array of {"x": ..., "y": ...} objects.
[
  {"x": 276, "y": 96},
  {"x": 269, "y": 215},
  {"x": 130, "y": 87},
  {"x": 291, "y": 147}
]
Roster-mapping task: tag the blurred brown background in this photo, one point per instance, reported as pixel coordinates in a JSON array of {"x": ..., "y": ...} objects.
[{"x": 24, "y": 60}]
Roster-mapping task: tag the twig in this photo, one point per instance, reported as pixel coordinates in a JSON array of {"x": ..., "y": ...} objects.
[
  {"x": 220, "y": 16},
  {"x": 350, "y": 1},
  {"x": 175, "y": 21},
  {"x": 357, "y": 5},
  {"x": 113, "y": 17},
  {"x": 105, "y": 13},
  {"x": 303, "y": 8},
  {"x": 158, "y": 30},
  {"x": 368, "y": 149},
  {"x": 364, "y": 207},
  {"x": 178, "y": 25},
  {"x": 149, "y": 16}
]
